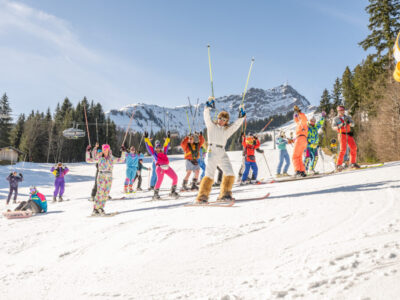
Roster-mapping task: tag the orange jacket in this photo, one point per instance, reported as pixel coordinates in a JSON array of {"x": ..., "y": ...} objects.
[
  {"x": 249, "y": 148},
  {"x": 190, "y": 150},
  {"x": 302, "y": 127}
]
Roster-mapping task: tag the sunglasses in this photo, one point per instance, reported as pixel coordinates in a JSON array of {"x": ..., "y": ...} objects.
[{"x": 223, "y": 119}]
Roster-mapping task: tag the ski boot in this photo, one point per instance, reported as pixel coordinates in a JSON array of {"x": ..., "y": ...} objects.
[
  {"x": 254, "y": 181},
  {"x": 60, "y": 199},
  {"x": 202, "y": 200},
  {"x": 242, "y": 182},
  {"x": 194, "y": 186},
  {"x": 130, "y": 189},
  {"x": 125, "y": 189},
  {"x": 355, "y": 166},
  {"x": 54, "y": 199},
  {"x": 184, "y": 186},
  {"x": 226, "y": 198},
  {"x": 151, "y": 188},
  {"x": 216, "y": 184},
  {"x": 139, "y": 188},
  {"x": 14, "y": 201},
  {"x": 156, "y": 196},
  {"x": 339, "y": 168},
  {"x": 285, "y": 174},
  {"x": 98, "y": 212},
  {"x": 173, "y": 192}
]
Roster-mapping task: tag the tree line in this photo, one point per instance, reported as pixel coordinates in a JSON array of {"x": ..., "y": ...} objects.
[{"x": 368, "y": 91}]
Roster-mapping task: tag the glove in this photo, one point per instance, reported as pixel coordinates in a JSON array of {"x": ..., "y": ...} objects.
[
  {"x": 260, "y": 150},
  {"x": 88, "y": 148},
  {"x": 323, "y": 114},
  {"x": 168, "y": 134},
  {"x": 254, "y": 142},
  {"x": 123, "y": 149},
  {"x": 210, "y": 102},
  {"x": 296, "y": 109},
  {"x": 146, "y": 134},
  {"x": 20, "y": 174},
  {"x": 242, "y": 113},
  {"x": 295, "y": 115}
]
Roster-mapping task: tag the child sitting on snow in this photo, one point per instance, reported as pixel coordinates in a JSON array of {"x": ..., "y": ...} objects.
[{"x": 37, "y": 202}]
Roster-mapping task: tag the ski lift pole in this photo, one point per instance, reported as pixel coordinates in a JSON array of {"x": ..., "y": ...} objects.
[
  {"x": 265, "y": 159},
  {"x": 87, "y": 125},
  {"x": 129, "y": 126}
]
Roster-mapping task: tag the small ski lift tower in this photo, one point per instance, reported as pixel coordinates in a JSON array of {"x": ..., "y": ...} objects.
[{"x": 73, "y": 133}]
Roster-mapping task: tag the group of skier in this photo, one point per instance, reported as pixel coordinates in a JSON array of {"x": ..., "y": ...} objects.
[{"x": 199, "y": 157}]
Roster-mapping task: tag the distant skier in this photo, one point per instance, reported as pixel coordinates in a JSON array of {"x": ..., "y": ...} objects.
[
  {"x": 160, "y": 157},
  {"x": 132, "y": 165},
  {"x": 153, "y": 179},
  {"x": 250, "y": 144},
  {"x": 139, "y": 174},
  {"x": 37, "y": 202},
  {"x": 311, "y": 157},
  {"x": 59, "y": 172},
  {"x": 342, "y": 124},
  {"x": 282, "y": 141},
  {"x": 191, "y": 146},
  {"x": 106, "y": 163},
  {"x": 202, "y": 163},
  {"x": 14, "y": 180},
  {"x": 218, "y": 134},
  {"x": 301, "y": 141}
]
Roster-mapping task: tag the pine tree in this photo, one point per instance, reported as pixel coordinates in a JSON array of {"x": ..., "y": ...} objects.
[
  {"x": 384, "y": 24},
  {"x": 17, "y": 131},
  {"x": 325, "y": 103},
  {"x": 348, "y": 90},
  {"x": 5, "y": 121},
  {"x": 337, "y": 98}
]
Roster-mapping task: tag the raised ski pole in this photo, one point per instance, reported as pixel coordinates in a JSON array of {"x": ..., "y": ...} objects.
[
  {"x": 265, "y": 159},
  {"x": 87, "y": 125},
  {"x": 187, "y": 117},
  {"x": 265, "y": 127},
  {"x": 129, "y": 126},
  {"x": 209, "y": 65},
  {"x": 245, "y": 87}
]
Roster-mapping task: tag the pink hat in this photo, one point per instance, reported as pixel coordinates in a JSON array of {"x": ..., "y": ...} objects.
[{"x": 105, "y": 147}]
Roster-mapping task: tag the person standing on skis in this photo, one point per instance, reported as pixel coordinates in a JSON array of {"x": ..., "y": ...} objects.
[
  {"x": 218, "y": 133},
  {"x": 160, "y": 157},
  {"x": 59, "y": 172},
  {"x": 343, "y": 123},
  {"x": 250, "y": 144},
  {"x": 105, "y": 161},
  {"x": 139, "y": 174},
  {"x": 311, "y": 157},
  {"x": 282, "y": 141},
  {"x": 132, "y": 165},
  {"x": 14, "y": 180},
  {"x": 191, "y": 146},
  {"x": 301, "y": 141}
]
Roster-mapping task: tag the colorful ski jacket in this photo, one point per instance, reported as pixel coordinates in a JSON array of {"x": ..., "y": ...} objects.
[
  {"x": 192, "y": 150},
  {"x": 14, "y": 180},
  {"x": 249, "y": 146},
  {"x": 59, "y": 172},
  {"x": 132, "y": 160},
  {"x": 342, "y": 120},
  {"x": 312, "y": 136},
  {"x": 160, "y": 158},
  {"x": 105, "y": 165},
  {"x": 40, "y": 200},
  {"x": 301, "y": 121},
  {"x": 281, "y": 142}
]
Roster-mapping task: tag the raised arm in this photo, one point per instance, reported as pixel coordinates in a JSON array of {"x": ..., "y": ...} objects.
[
  {"x": 120, "y": 160},
  {"x": 234, "y": 126},
  {"x": 149, "y": 146},
  {"x": 320, "y": 123},
  {"x": 166, "y": 145},
  {"x": 91, "y": 160}
]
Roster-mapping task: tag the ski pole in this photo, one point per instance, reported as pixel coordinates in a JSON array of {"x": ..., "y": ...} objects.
[
  {"x": 265, "y": 159},
  {"x": 187, "y": 117},
  {"x": 87, "y": 126},
  {"x": 209, "y": 65},
  {"x": 247, "y": 82},
  {"x": 129, "y": 126},
  {"x": 323, "y": 159}
]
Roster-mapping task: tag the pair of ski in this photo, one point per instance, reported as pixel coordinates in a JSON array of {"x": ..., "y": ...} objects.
[{"x": 226, "y": 203}]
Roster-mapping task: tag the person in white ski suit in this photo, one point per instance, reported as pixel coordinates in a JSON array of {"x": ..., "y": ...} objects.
[{"x": 218, "y": 133}]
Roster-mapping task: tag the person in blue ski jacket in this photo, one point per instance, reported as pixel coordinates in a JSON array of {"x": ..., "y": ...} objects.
[
  {"x": 201, "y": 160},
  {"x": 311, "y": 157},
  {"x": 132, "y": 165},
  {"x": 37, "y": 202},
  {"x": 281, "y": 142}
]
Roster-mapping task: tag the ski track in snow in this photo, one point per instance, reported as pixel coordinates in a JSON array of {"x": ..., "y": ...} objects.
[{"x": 334, "y": 237}]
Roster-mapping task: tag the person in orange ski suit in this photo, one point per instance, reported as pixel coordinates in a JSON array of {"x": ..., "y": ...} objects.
[{"x": 301, "y": 141}]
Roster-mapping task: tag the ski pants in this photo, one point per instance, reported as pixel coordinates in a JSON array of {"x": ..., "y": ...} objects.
[
  {"x": 153, "y": 179},
  {"x": 253, "y": 166},
  {"x": 202, "y": 165},
  {"x": 130, "y": 175},
  {"x": 344, "y": 141},
  {"x": 283, "y": 156},
  {"x": 15, "y": 190},
  {"x": 311, "y": 158},
  {"x": 297, "y": 158},
  {"x": 59, "y": 186},
  {"x": 104, "y": 181},
  {"x": 242, "y": 167},
  {"x": 218, "y": 157},
  {"x": 160, "y": 176},
  {"x": 139, "y": 179},
  {"x": 31, "y": 205}
]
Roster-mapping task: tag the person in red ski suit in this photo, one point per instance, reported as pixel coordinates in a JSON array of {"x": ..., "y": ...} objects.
[{"x": 250, "y": 144}]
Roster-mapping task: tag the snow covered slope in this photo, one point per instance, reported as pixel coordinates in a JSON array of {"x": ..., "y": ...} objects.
[
  {"x": 336, "y": 237},
  {"x": 260, "y": 104}
]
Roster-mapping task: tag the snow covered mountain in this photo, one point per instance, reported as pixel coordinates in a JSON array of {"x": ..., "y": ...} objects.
[{"x": 259, "y": 103}]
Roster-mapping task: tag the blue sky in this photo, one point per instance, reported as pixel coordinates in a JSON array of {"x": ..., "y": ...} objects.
[{"x": 124, "y": 52}]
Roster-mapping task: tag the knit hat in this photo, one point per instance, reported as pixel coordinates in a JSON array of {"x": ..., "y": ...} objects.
[{"x": 224, "y": 114}]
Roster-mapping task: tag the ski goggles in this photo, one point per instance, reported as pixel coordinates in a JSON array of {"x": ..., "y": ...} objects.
[{"x": 223, "y": 119}]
